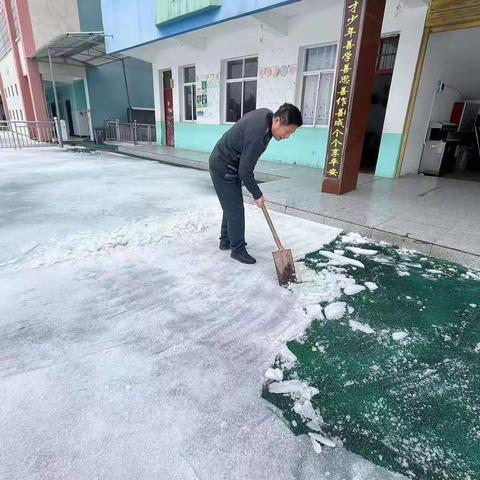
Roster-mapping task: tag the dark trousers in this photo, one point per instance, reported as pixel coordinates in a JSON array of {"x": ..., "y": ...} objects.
[{"x": 229, "y": 193}]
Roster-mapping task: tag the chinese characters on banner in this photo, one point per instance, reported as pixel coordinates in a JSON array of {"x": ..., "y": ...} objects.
[{"x": 343, "y": 88}]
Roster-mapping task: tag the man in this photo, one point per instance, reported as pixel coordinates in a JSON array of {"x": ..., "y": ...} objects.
[{"x": 232, "y": 163}]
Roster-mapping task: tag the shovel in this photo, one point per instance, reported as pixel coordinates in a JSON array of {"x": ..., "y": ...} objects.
[{"x": 282, "y": 258}]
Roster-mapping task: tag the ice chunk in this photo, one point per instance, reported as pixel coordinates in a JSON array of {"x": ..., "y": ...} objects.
[
  {"x": 361, "y": 251},
  {"x": 339, "y": 252},
  {"x": 339, "y": 260},
  {"x": 316, "y": 446},
  {"x": 354, "y": 238},
  {"x": 274, "y": 374},
  {"x": 399, "y": 335},
  {"x": 297, "y": 387},
  {"x": 335, "y": 310},
  {"x": 371, "y": 286},
  {"x": 353, "y": 289},
  {"x": 473, "y": 305},
  {"x": 316, "y": 424},
  {"x": 321, "y": 439},
  {"x": 286, "y": 356},
  {"x": 314, "y": 311},
  {"x": 362, "y": 327},
  {"x": 305, "y": 409}
]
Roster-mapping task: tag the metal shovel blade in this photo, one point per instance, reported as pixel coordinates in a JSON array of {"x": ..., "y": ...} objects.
[{"x": 283, "y": 260}]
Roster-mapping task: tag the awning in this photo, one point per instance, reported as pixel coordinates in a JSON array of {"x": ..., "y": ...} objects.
[{"x": 85, "y": 49}]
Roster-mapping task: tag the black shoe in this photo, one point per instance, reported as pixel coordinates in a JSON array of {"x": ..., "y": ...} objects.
[
  {"x": 242, "y": 256},
  {"x": 224, "y": 244}
]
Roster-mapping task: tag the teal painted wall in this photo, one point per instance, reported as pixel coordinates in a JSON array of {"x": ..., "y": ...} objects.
[
  {"x": 388, "y": 155},
  {"x": 79, "y": 95},
  {"x": 106, "y": 85},
  {"x": 74, "y": 92},
  {"x": 90, "y": 15},
  {"x": 306, "y": 147},
  {"x": 108, "y": 96},
  {"x": 197, "y": 136}
]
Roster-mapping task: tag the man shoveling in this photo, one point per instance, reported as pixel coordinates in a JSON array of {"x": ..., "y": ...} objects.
[{"x": 232, "y": 163}]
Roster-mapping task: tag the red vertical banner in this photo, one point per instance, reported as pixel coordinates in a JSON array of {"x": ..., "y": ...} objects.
[{"x": 358, "y": 47}]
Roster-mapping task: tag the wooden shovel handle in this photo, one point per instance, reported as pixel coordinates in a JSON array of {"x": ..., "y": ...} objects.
[{"x": 272, "y": 228}]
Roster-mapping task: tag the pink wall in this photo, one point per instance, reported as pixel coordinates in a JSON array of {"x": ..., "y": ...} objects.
[{"x": 31, "y": 84}]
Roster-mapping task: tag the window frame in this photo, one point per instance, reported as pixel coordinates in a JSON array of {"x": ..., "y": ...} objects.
[
  {"x": 301, "y": 79},
  {"x": 193, "y": 86},
  {"x": 241, "y": 80}
]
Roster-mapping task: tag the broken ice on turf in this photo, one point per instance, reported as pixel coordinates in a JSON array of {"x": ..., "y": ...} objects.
[
  {"x": 399, "y": 335},
  {"x": 297, "y": 387},
  {"x": 371, "y": 286},
  {"x": 335, "y": 310},
  {"x": 361, "y": 251},
  {"x": 353, "y": 289},
  {"x": 362, "y": 327}
]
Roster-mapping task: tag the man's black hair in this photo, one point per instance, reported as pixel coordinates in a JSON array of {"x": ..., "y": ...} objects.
[{"x": 289, "y": 115}]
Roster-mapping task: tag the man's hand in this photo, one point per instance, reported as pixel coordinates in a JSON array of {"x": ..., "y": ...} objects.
[{"x": 260, "y": 201}]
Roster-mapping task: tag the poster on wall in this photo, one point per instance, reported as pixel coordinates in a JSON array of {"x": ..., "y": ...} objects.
[{"x": 202, "y": 96}]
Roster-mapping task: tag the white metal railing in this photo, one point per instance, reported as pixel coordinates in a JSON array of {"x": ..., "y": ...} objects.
[
  {"x": 23, "y": 134},
  {"x": 130, "y": 132}
]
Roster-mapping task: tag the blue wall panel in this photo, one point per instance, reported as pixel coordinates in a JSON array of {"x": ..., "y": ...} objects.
[{"x": 132, "y": 22}]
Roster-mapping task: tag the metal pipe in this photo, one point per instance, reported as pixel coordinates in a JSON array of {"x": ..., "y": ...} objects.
[
  {"x": 128, "y": 93},
  {"x": 59, "y": 133}
]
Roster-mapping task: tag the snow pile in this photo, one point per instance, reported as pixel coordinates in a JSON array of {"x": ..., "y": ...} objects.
[{"x": 85, "y": 244}]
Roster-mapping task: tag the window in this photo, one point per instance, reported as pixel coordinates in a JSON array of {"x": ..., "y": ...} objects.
[
  {"x": 387, "y": 54},
  {"x": 317, "y": 85},
  {"x": 189, "y": 94},
  {"x": 16, "y": 89},
  {"x": 15, "y": 18},
  {"x": 241, "y": 88},
  {"x": 4, "y": 40}
]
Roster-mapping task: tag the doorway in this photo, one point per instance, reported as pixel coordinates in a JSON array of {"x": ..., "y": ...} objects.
[
  {"x": 168, "y": 108},
  {"x": 387, "y": 54},
  {"x": 68, "y": 107}
]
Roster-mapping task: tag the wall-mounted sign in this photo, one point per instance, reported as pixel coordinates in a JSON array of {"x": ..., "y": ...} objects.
[{"x": 172, "y": 10}]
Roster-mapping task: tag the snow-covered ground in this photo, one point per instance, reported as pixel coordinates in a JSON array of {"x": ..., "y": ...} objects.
[{"x": 130, "y": 346}]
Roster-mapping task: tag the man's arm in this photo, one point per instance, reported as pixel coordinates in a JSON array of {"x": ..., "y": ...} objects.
[{"x": 250, "y": 155}]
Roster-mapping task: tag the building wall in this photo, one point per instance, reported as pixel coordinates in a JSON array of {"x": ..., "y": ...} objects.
[
  {"x": 242, "y": 38},
  {"x": 125, "y": 33},
  {"x": 108, "y": 96},
  {"x": 51, "y": 18},
  {"x": 106, "y": 84},
  {"x": 11, "y": 86},
  {"x": 90, "y": 15}
]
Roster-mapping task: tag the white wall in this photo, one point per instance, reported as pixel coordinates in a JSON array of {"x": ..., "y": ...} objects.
[
  {"x": 409, "y": 23},
  {"x": 454, "y": 58},
  {"x": 316, "y": 22},
  {"x": 51, "y": 18},
  {"x": 10, "y": 79}
]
